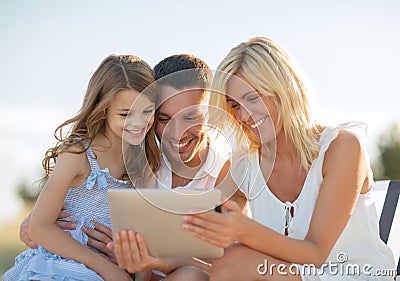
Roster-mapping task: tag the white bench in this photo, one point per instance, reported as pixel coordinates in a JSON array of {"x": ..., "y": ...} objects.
[{"x": 387, "y": 198}]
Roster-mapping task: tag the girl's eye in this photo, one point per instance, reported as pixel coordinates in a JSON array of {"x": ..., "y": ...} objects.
[
  {"x": 148, "y": 111},
  {"x": 123, "y": 114}
]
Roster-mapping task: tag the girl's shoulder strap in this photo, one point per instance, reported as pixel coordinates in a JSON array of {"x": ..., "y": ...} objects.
[
  {"x": 92, "y": 159},
  {"x": 91, "y": 156}
]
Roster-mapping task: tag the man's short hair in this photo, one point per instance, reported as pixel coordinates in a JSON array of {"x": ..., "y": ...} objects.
[{"x": 187, "y": 71}]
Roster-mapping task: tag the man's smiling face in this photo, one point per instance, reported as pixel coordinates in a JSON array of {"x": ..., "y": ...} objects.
[{"x": 180, "y": 123}]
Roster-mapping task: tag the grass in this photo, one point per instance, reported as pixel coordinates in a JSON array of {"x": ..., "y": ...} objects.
[{"x": 10, "y": 245}]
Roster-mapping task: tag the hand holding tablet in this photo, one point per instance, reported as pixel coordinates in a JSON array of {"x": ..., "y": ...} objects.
[{"x": 156, "y": 214}]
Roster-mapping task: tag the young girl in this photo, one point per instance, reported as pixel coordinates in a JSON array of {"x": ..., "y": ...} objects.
[{"x": 88, "y": 162}]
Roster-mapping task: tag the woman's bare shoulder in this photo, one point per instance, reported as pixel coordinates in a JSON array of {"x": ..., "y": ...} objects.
[{"x": 345, "y": 150}]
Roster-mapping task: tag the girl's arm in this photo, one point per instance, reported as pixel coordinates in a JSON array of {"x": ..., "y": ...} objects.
[
  {"x": 43, "y": 228},
  {"x": 24, "y": 227},
  {"x": 345, "y": 176}
]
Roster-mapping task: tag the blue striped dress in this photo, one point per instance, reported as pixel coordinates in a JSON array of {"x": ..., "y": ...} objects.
[{"x": 87, "y": 202}]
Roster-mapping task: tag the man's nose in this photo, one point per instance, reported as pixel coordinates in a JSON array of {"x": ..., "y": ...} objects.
[{"x": 176, "y": 129}]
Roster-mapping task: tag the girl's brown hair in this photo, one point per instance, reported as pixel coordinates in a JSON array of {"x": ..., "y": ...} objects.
[{"x": 115, "y": 73}]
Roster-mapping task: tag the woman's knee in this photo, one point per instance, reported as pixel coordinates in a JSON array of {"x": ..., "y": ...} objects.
[
  {"x": 229, "y": 264},
  {"x": 186, "y": 273}
]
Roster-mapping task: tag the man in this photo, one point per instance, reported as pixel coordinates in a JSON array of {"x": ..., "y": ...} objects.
[{"x": 189, "y": 160}]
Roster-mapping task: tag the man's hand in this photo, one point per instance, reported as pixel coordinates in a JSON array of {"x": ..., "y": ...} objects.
[
  {"x": 131, "y": 252},
  {"x": 99, "y": 237},
  {"x": 24, "y": 232},
  {"x": 24, "y": 227}
]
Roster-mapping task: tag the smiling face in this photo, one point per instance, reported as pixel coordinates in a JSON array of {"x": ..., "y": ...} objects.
[
  {"x": 253, "y": 110},
  {"x": 130, "y": 116},
  {"x": 180, "y": 124}
]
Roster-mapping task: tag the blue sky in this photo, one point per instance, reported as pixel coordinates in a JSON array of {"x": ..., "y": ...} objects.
[{"x": 49, "y": 49}]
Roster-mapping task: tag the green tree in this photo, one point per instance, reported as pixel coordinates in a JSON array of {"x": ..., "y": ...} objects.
[
  {"x": 389, "y": 150},
  {"x": 28, "y": 193}
]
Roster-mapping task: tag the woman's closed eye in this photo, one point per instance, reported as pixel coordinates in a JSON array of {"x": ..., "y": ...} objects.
[
  {"x": 253, "y": 98},
  {"x": 233, "y": 104}
]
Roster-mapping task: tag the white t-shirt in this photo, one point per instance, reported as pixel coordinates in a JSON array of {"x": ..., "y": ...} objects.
[{"x": 205, "y": 177}]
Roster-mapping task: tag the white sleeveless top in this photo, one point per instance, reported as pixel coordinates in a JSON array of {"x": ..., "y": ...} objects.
[{"x": 359, "y": 241}]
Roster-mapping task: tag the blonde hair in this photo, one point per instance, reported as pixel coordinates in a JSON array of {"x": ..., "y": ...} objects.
[
  {"x": 271, "y": 71},
  {"x": 115, "y": 73}
]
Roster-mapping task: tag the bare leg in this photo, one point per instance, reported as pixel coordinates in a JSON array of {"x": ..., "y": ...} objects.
[
  {"x": 186, "y": 273},
  {"x": 242, "y": 263},
  {"x": 142, "y": 276}
]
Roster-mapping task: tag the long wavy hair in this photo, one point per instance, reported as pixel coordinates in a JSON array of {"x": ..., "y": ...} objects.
[
  {"x": 115, "y": 73},
  {"x": 272, "y": 72}
]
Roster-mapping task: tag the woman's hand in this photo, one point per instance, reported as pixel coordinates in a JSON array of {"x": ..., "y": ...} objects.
[
  {"x": 131, "y": 252},
  {"x": 98, "y": 238},
  {"x": 219, "y": 229},
  {"x": 24, "y": 227}
]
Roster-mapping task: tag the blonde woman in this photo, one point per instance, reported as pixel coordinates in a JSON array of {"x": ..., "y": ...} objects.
[{"x": 309, "y": 185}]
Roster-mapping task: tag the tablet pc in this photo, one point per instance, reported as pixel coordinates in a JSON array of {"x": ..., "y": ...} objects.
[{"x": 156, "y": 214}]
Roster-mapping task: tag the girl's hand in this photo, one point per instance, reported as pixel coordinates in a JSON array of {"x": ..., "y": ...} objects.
[
  {"x": 131, "y": 252},
  {"x": 219, "y": 229},
  {"x": 98, "y": 238}
]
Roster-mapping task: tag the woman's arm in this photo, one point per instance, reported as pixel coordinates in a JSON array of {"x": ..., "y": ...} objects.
[
  {"x": 44, "y": 230},
  {"x": 229, "y": 188},
  {"x": 345, "y": 176}
]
